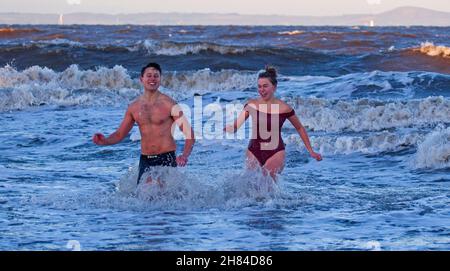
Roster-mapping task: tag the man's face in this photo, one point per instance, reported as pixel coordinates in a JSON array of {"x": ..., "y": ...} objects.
[{"x": 151, "y": 79}]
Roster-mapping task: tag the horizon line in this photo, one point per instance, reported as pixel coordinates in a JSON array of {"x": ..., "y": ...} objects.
[{"x": 219, "y": 13}]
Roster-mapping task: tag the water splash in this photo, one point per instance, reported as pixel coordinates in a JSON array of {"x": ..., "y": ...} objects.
[{"x": 434, "y": 151}]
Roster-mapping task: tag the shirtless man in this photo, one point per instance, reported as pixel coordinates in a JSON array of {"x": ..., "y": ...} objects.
[{"x": 155, "y": 114}]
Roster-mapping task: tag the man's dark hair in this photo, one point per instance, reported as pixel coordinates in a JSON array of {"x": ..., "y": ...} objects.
[{"x": 151, "y": 65}]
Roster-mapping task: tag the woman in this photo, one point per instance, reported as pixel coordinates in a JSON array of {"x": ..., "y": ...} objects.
[{"x": 266, "y": 148}]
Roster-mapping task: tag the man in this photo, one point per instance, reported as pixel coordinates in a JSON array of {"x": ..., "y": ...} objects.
[{"x": 155, "y": 113}]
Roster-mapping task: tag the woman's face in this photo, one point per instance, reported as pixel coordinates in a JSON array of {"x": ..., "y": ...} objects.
[{"x": 266, "y": 89}]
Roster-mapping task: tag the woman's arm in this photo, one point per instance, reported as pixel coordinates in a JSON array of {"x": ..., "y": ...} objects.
[
  {"x": 243, "y": 116},
  {"x": 304, "y": 135}
]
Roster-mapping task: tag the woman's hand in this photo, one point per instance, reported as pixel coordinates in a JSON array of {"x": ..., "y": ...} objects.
[
  {"x": 229, "y": 128},
  {"x": 316, "y": 156}
]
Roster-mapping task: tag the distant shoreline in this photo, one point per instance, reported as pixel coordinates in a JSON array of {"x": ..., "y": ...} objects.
[{"x": 404, "y": 16}]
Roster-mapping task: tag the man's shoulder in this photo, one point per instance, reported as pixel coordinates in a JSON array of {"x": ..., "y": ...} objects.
[
  {"x": 166, "y": 98},
  {"x": 167, "y": 101},
  {"x": 134, "y": 103}
]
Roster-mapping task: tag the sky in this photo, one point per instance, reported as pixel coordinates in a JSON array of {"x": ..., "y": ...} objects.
[{"x": 266, "y": 7}]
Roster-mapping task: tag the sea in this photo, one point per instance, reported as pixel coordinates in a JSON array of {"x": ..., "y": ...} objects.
[{"x": 375, "y": 102}]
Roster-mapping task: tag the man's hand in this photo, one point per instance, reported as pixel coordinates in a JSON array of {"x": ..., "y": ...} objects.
[
  {"x": 182, "y": 160},
  {"x": 99, "y": 139}
]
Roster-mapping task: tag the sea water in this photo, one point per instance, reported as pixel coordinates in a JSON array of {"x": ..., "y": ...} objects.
[{"x": 375, "y": 103}]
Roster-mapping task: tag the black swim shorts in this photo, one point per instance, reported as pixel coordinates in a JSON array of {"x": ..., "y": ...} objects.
[{"x": 167, "y": 159}]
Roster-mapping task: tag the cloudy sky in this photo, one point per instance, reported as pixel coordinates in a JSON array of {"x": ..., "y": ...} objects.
[{"x": 281, "y": 7}]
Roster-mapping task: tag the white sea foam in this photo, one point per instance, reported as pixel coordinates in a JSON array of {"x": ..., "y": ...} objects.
[
  {"x": 366, "y": 144},
  {"x": 40, "y": 86},
  {"x": 370, "y": 115},
  {"x": 152, "y": 47},
  {"x": 71, "y": 78},
  {"x": 174, "y": 49},
  {"x": 430, "y": 49},
  {"x": 373, "y": 246},
  {"x": 178, "y": 190},
  {"x": 205, "y": 80},
  {"x": 291, "y": 33},
  {"x": 65, "y": 42},
  {"x": 434, "y": 151},
  {"x": 174, "y": 189},
  {"x": 48, "y": 44}
]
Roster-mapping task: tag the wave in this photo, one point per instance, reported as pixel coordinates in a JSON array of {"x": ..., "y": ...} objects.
[
  {"x": 375, "y": 84},
  {"x": 250, "y": 35},
  {"x": 58, "y": 42},
  {"x": 53, "y": 37},
  {"x": 338, "y": 36},
  {"x": 118, "y": 77},
  {"x": 313, "y": 35},
  {"x": 370, "y": 115},
  {"x": 434, "y": 151},
  {"x": 291, "y": 33},
  {"x": 174, "y": 49},
  {"x": 151, "y": 47},
  {"x": 430, "y": 49},
  {"x": 394, "y": 58},
  {"x": 37, "y": 86},
  {"x": 205, "y": 81},
  {"x": 71, "y": 78},
  {"x": 9, "y": 31},
  {"x": 366, "y": 144}
]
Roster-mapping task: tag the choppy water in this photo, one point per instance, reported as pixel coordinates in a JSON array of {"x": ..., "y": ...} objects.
[{"x": 375, "y": 102}]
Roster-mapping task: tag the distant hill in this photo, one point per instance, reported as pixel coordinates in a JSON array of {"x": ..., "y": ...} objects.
[
  {"x": 403, "y": 16},
  {"x": 414, "y": 16}
]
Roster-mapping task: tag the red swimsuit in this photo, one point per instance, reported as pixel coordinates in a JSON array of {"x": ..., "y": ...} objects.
[{"x": 261, "y": 145}]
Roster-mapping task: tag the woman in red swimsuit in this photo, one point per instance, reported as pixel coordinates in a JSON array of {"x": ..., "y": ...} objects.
[{"x": 266, "y": 148}]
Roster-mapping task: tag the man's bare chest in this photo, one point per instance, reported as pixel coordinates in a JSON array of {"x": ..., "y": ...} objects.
[{"x": 146, "y": 114}]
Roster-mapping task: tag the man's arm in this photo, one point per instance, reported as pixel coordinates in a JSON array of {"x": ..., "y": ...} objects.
[
  {"x": 183, "y": 124},
  {"x": 119, "y": 134}
]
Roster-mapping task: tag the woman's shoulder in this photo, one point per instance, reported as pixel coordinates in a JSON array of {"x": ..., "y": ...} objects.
[
  {"x": 284, "y": 107},
  {"x": 251, "y": 104}
]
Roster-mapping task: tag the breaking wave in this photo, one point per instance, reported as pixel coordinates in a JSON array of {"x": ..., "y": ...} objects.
[
  {"x": 37, "y": 86},
  {"x": 430, "y": 49},
  {"x": 434, "y": 151},
  {"x": 370, "y": 115},
  {"x": 366, "y": 144},
  {"x": 174, "y": 49}
]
